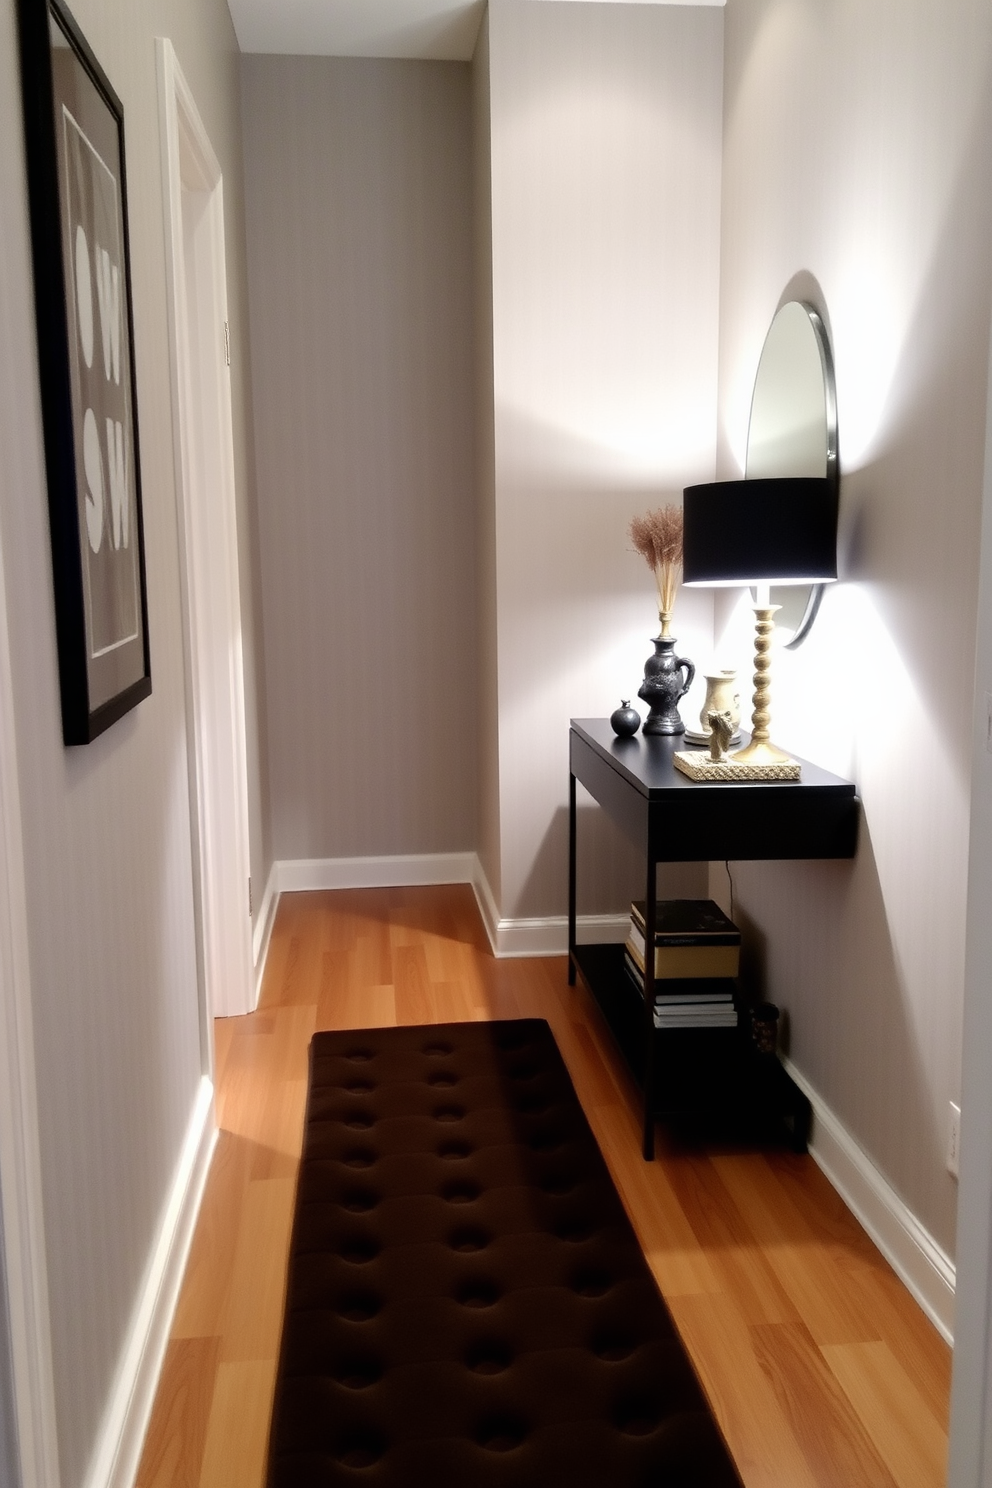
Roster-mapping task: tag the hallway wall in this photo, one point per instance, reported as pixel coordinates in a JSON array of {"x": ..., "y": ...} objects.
[
  {"x": 856, "y": 171},
  {"x": 108, "y": 873},
  {"x": 604, "y": 127},
  {"x": 358, "y": 181}
]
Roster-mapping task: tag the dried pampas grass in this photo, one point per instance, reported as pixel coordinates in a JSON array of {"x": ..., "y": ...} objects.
[{"x": 658, "y": 538}]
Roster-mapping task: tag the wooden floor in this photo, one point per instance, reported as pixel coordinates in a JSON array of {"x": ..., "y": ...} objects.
[{"x": 822, "y": 1370}]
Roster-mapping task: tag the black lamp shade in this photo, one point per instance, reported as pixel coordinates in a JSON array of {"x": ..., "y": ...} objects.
[{"x": 781, "y": 530}]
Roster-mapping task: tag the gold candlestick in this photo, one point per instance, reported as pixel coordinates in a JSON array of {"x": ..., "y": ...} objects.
[{"x": 761, "y": 751}]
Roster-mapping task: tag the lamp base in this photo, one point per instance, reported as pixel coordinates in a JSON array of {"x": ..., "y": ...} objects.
[
  {"x": 761, "y": 752},
  {"x": 699, "y": 766}
]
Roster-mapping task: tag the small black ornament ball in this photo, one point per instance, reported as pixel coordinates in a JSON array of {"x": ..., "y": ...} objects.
[{"x": 625, "y": 721}]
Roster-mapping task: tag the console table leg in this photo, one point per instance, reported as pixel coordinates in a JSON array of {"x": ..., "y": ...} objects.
[
  {"x": 650, "y": 925},
  {"x": 571, "y": 880}
]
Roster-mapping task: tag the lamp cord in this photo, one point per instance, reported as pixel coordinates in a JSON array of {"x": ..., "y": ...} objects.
[{"x": 730, "y": 880}]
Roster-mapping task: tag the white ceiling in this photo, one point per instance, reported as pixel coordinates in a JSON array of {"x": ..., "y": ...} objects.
[{"x": 445, "y": 29}]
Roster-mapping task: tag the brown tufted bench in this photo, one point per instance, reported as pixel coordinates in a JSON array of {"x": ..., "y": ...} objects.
[{"x": 467, "y": 1305}]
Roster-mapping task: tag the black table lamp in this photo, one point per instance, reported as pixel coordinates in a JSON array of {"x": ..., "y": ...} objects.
[{"x": 779, "y": 530}]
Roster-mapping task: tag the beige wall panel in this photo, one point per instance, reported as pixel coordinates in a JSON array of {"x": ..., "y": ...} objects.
[
  {"x": 358, "y": 178},
  {"x": 605, "y": 124},
  {"x": 856, "y": 158},
  {"x": 107, "y": 827}
]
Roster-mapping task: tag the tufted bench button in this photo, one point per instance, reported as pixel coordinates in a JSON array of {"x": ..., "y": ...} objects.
[
  {"x": 362, "y": 1450},
  {"x": 449, "y": 1113},
  {"x": 591, "y": 1284},
  {"x": 359, "y": 1307},
  {"x": 574, "y": 1231},
  {"x": 479, "y": 1292},
  {"x": 360, "y": 1200},
  {"x": 612, "y": 1348},
  {"x": 455, "y": 1151},
  {"x": 637, "y": 1417},
  {"x": 468, "y": 1240},
  {"x": 360, "y": 1250},
  {"x": 360, "y": 1157},
  {"x": 501, "y": 1434},
  {"x": 489, "y": 1357},
  {"x": 461, "y": 1191},
  {"x": 559, "y": 1184},
  {"x": 358, "y": 1374}
]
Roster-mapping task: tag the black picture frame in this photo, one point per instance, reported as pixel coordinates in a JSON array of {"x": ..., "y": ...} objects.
[{"x": 74, "y": 138}]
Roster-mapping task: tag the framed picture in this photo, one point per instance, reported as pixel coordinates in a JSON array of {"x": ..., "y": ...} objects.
[{"x": 74, "y": 128}]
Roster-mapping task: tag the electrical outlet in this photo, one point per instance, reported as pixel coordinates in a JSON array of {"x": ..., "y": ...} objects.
[{"x": 953, "y": 1139}]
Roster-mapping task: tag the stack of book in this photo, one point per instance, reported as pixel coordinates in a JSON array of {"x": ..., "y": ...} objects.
[{"x": 696, "y": 958}]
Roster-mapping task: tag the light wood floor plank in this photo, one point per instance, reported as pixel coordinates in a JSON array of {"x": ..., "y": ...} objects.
[
  {"x": 833, "y": 1441},
  {"x": 744, "y": 1270},
  {"x": 238, "y": 1433},
  {"x": 804, "y": 1261},
  {"x": 252, "y": 1320},
  {"x": 174, "y": 1449},
  {"x": 892, "y": 1411},
  {"x": 758, "y": 1431},
  {"x": 415, "y": 1002}
]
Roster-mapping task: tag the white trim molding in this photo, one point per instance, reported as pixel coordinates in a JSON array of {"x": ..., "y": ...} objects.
[
  {"x": 925, "y": 1269},
  {"x": 122, "y": 1435},
  {"x": 261, "y": 933},
  {"x": 486, "y": 902},
  {"x": 294, "y": 875},
  {"x": 203, "y": 448},
  {"x": 549, "y": 936}
]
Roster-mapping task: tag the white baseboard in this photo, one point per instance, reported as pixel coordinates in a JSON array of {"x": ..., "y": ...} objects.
[
  {"x": 261, "y": 932},
  {"x": 539, "y": 937},
  {"x": 122, "y": 1435},
  {"x": 912, "y": 1252},
  {"x": 293, "y": 875},
  {"x": 549, "y": 937}
]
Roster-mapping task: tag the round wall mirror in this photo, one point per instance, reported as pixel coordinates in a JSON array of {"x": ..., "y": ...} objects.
[{"x": 793, "y": 431}]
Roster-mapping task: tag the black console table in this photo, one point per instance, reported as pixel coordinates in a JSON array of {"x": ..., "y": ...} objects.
[{"x": 676, "y": 820}]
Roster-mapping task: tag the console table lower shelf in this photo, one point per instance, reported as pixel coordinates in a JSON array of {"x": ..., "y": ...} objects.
[{"x": 709, "y": 1082}]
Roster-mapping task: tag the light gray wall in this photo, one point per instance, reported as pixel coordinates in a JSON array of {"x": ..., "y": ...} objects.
[
  {"x": 107, "y": 827},
  {"x": 485, "y": 466},
  {"x": 971, "y": 1419},
  {"x": 856, "y": 156},
  {"x": 358, "y": 183},
  {"x": 605, "y": 124}
]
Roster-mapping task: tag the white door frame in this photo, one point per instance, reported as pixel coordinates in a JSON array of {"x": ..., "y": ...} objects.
[
  {"x": 208, "y": 546},
  {"x": 24, "y": 1253}
]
